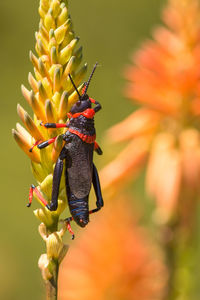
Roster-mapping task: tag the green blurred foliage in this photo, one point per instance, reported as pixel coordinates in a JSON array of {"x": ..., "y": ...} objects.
[{"x": 109, "y": 32}]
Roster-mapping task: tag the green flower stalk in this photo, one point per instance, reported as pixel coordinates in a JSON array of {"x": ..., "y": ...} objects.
[{"x": 51, "y": 97}]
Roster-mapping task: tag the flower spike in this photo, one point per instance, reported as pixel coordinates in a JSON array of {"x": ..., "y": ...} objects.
[{"x": 50, "y": 97}]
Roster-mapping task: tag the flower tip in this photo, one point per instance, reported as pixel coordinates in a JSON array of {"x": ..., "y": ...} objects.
[
  {"x": 24, "y": 144},
  {"x": 20, "y": 111},
  {"x": 30, "y": 54},
  {"x": 26, "y": 93},
  {"x": 43, "y": 264},
  {"x": 14, "y": 132},
  {"x": 43, "y": 231}
]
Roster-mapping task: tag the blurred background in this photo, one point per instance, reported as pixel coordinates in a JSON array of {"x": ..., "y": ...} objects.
[{"x": 109, "y": 32}]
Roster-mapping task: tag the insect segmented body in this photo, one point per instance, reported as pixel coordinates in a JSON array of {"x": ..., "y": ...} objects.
[{"x": 80, "y": 171}]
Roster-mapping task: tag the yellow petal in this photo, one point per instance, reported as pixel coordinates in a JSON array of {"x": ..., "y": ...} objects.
[
  {"x": 33, "y": 83},
  {"x": 62, "y": 18},
  {"x": 24, "y": 133},
  {"x": 60, "y": 32},
  {"x": 32, "y": 128},
  {"x": 26, "y": 94},
  {"x": 57, "y": 79},
  {"x": 63, "y": 107},
  {"x": 49, "y": 111},
  {"x": 25, "y": 146},
  {"x": 34, "y": 60},
  {"x": 54, "y": 55},
  {"x": 55, "y": 6},
  {"x": 42, "y": 92},
  {"x": 66, "y": 53},
  {"x": 49, "y": 22},
  {"x": 37, "y": 107}
]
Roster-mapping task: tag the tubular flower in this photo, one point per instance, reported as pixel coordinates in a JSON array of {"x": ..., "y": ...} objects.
[
  {"x": 50, "y": 97},
  {"x": 113, "y": 259},
  {"x": 165, "y": 81}
]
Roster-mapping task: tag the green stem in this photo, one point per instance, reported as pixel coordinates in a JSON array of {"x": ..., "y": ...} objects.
[
  {"x": 170, "y": 243},
  {"x": 52, "y": 284},
  {"x": 171, "y": 262},
  {"x": 178, "y": 245}
]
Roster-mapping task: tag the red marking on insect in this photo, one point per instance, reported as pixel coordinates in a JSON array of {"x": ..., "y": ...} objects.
[
  {"x": 60, "y": 125},
  {"x": 40, "y": 196},
  {"x": 70, "y": 229},
  {"x": 35, "y": 144},
  {"x": 92, "y": 100},
  {"x": 89, "y": 139},
  {"x": 50, "y": 141},
  {"x": 83, "y": 89},
  {"x": 88, "y": 113},
  {"x": 96, "y": 146},
  {"x": 30, "y": 196}
]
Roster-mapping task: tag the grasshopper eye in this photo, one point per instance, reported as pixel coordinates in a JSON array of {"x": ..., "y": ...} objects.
[{"x": 78, "y": 103}]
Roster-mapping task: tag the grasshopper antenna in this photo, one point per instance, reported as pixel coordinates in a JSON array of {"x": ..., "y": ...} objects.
[
  {"x": 74, "y": 86},
  {"x": 88, "y": 82}
]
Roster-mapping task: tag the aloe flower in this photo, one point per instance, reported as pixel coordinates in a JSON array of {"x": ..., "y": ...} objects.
[
  {"x": 113, "y": 259},
  {"x": 50, "y": 97},
  {"x": 163, "y": 134}
]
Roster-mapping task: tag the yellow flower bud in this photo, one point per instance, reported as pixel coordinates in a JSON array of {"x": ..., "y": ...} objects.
[
  {"x": 49, "y": 109},
  {"x": 50, "y": 97},
  {"x": 55, "y": 6},
  {"x": 34, "y": 60},
  {"x": 54, "y": 56},
  {"x": 62, "y": 18},
  {"x": 49, "y": 22},
  {"x": 32, "y": 82},
  {"x": 63, "y": 107},
  {"x": 42, "y": 92},
  {"x": 57, "y": 79},
  {"x": 25, "y": 146},
  {"x": 67, "y": 52},
  {"x": 60, "y": 32}
]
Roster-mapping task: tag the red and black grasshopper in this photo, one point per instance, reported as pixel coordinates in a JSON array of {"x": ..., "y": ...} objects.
[{"x": 80, "y": 171}]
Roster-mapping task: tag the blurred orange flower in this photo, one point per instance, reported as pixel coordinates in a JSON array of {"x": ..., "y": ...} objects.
[
  {"x": 165, "y": 81},
  {"x": 112, "y": 259}
]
